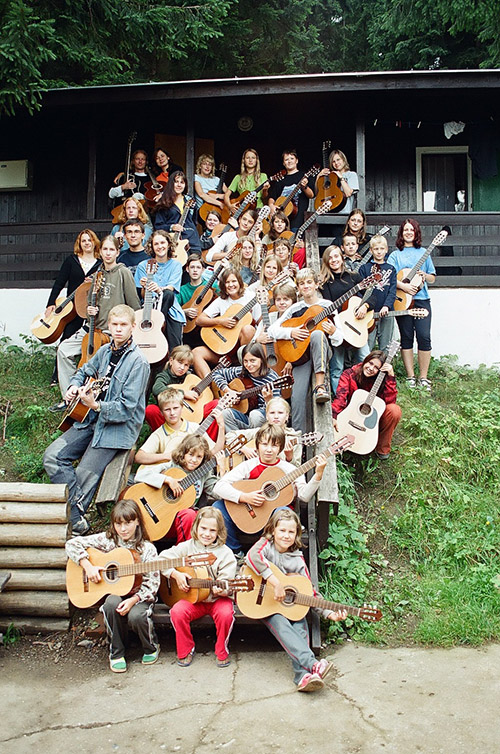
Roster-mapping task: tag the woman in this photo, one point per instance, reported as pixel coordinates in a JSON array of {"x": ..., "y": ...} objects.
[
  {"x": 248, "y": 179},
  {"x": 164, "y": 165},
  {"x": 170, "y": 209},
  {"x": 246, "y": 260},
  {"x": 349, "y": 182},
  {"x": 167, "y": 282},
  {"x": 363, "y": 376},
  {"x": 355, "y": 226},
  {"x": 409, "y": 251},
  {"x": 132, "y": 209},
  {"x": 271, "y": 266},
  {"x": 205, "y": 180}
]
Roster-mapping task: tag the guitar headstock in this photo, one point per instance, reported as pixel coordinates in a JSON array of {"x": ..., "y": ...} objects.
[
  {"x": 384, "y": 280},
  {"x": 327, "y": 145},
  {"x": 262, "y": 296},
  {"x": 241, "y": 584},
  {"x": 224, "y": 363},
  {"x": 343, "y": 444},
  {"x": 418, "y": 313},
  {"x": 370, "y": 613},
  {"x": 440, "y": 238},
  {"x": 151, "y": 266},
  {"x": 263, "y": 213},
  {"x": 277, "y": 176},
  {"x": 235, "y": 445},
  {"x": 200, "y": 559},
  {"x": 324, "y": 208},
  {"x": 98, "y": 282},
  {"x": 222, "y": 168},
  {"x": 283, "y": 382},
  {"x": 372, "y": 279},
  {"x": 392, "y": 349},
  {"x": 249, "y": 199},
  {"x": 279, "y": 278},
  {"x": 310, "y": 438},
  {"x": 132, "y": 137},
  {"x": 312, "y": 172},
  {"x": 190, "y": 204},
  {"x": 384, "y": 230}
]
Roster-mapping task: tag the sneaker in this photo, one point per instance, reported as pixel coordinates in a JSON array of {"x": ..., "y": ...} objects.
[
  {"x": 80, "y": 528},
  {"x": 118, "y": 666},
  {"x": 322, "y": 668},
  {"x": 150, "y": 659},
  {"x": 382, "y": 456},
  {"x": 57, "y": 407},
  {"x": 425, "y": 384},
  {"x": 411, "y": 382},
  {"x": 310, "y": 682},
  {"x": 223, "y": 663},
  {"x": 185, "y": 662}
]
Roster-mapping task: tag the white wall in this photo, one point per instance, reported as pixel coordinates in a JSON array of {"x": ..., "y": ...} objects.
[{"x": 465, "y": 321}]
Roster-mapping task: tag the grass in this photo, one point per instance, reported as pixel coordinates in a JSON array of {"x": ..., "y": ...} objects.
[{"x": 417, "y": 534}]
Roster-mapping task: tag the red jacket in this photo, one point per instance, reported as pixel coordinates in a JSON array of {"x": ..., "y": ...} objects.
[{"x": 348, "y": 385}]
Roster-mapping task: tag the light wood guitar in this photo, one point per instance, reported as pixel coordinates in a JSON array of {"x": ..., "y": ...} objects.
[
  {"x": 415, "y": 313},
  {"x": 260, "y": 602},
  {"x": 311, "y": 438},
  {"x": 286, "y": 203},
  {"x": 236, "y": 201},
  {"x": 206, "y": 207},
  {"x": 278, "y": 489},
  {"x": 49, "y": 329},
  {"x": 329, "y": 186},
  {"x": 192, "y": 411},
  {"x": 77, "y": 411},
  {"x": 149, "y": 323},
  {"x": 201, "y": 586},
  {"x": 181, "y": 246},
  {"x": 95, "y": 338},
  {"x": 356, "y": 330},
  {"x": 221, "y": 228},
  {"x": 159, "y": 507},
  {"x": 248, "y": 392},
  {"x": 407, "y": 275},
  {"x": 362, "y": 416},
  {"x": 121, "y": 572},
  {"x": 293, "y": 350}
]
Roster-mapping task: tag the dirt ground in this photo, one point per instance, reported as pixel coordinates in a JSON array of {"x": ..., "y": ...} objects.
[{"x": 58, "y": 697}]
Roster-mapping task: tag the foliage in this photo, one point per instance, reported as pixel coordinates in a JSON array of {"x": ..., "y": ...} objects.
[{"x": 12, "y": 635}]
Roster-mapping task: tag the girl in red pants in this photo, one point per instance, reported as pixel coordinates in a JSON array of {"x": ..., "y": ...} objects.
[{"x": 207, "y": 535}]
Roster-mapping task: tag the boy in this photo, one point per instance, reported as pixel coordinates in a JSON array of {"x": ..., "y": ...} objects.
[
  {"x": 179, "y": 363},
  {"x": 225, "y": 243},
  {"x": 349, "y": 250},
  {"x": 286, "y": 185},
  {"x": 319, "y": 348},
  {"x": 135, "y": 235},
  {"x": 269, "y": 441},
  {"x": 385, "y": 298},
  {"x": 113, "y": 422}
]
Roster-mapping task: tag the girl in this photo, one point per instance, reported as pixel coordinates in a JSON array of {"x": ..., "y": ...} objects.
[
  {"x": 248, "y": 179},
  {"x": 166, "y": 282},
  {"x": 283, "y": 250},
  {"x": 363, "y": 376},
  {"x": 280, "y": 545},
  {"x": 409, "y": 243},
  {"x": 349, "y": 182},
  {"x": 256, "y": 370},
  {"x": 246, "y": 260},
  {"x": 226, "y": 242},
  {"x": 355, "y": 226},
  {"x": 205, "y": 180},
  {"x": 207, "y": 535},
  {"x": 132, "y": 209},
  {"x": 135, "y": 610},
  {"x": 232, "y": 291},
  {"x": 189, "y": 455},
  {"x": 279, "y": 224},
  {"x": 171, "y": 207},
  {"x": 206, "y": 239},
  {"x": 271, "y": 266}
]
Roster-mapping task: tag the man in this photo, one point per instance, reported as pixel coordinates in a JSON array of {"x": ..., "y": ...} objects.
[
  {"x": 134, "y": 187},
  {"x": 286, "y": 185},
  {"x": 135, "y": 233},
  {"x": 113, "y": 422}
]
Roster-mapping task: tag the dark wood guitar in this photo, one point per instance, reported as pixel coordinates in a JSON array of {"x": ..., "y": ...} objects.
[
  {"x": 200, "y": 586},
  {"x": 221, "y": 228},
  {"x": 127, "y": 175},
  {"x": 193, "y": 410},
  {"x": 248, "y": 392},
  {"x": 149, "y": 323},
  {"x": 286, "y": 203},
  {"x": 260, "y": 602},
  {"x": 121, "y": 573},
  {"x": 95, "y": 338},
  {"x": 278, "y": 489},
  {"x": 76, "y": 410},
  {"x": 206, "y": 207},
  {"x": 153, "y": 189},
  {"x": 244, "y": 194},
  {"x": 329, "y": 186}
]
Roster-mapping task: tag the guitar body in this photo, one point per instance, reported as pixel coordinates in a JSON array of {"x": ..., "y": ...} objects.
[
  {"x": 181, "y": 251},
  {"x": 404, "y": 300},
  {"x": 252, "y": 519},
  {"x": 76, "y": 412},
  {"x": 287, "y": 234},
  {"x": 148, "y": 335},
  {"x": 355, "y": 330},
  {"x": 236, "y": 201},
  {"x": 193, "y": 412},
  {"x": 159, "y": 507},
  {"x": 239, "y": 385},
  {"x": 100, "y": 339},
  {"x": 333, "y": 192},
  {"x": 170, "y": 592},
  {"x": 207, "y": 298},
  {"x": 49, "y": 329},
  {"x": 293, "y": 350},
  {"x": 260, "y": 602},
  {"x": 222, "y": 340},
  {"x": 151, "y": 193},
  {"x": 286, "y": 206},
  {"x": 364, "y": 427},
  {"x": 206, "y": 208},
  {"x": 84, "y": 593}
]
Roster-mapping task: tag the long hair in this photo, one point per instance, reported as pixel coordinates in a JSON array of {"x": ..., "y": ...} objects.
[
  {"x": 77, "y": 249},
  {"x": 326, "y": 273},
  {"x": 417, "y": 241},
  {"x": 127, "y": 510},
  {"x": 278, "y": 215},
  {"x": 169, "y": 195},
  {"x": 361, "y": 233},
  {"x": 359, "y": 378},
  {"x": 244, "y": 175},
  {"x": 209, "y": 512},
  {"x": 237, "y": 260},
  {"x": 141, "y": 212},
  {"x": 255, "y": 349},
  {"x": 222, "y": 282},
  {"x": 270, "y": 258},
  {"x": 191, "y": 442},
  {"x": 284, "y": 514},
  {"x": 341, "y": 155}
]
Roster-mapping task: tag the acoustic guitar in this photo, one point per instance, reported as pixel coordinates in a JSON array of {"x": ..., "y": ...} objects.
[
  {"x": 260, "y": 602},
  {"x": 356, "y": 330},
  {"x": 221, "y": 228},
  {"x": 149, "y": 323},
  {"x": 310, "y": 438},
  {"x": 329, "y": 186},
  {"x": 95, "y": 338},
  {"x": 76, "y": 410},
  {"x": 298, "y": 235},
  {"x": 244, "y": 194},
  {"x": 293, "y": 350},
  {"x": 200, "y": 586},
  {"x": 153, "y": 189},
  {"x": 121, "y": 571},
  {"x": 362, "y": 416},
  {"x": 286, "y": 203},
  {"x": 407, "y": 275},
  {"x": 277, "y": 487},
  {"x": 248, "y": 392},
  {"x": 49, "y": 329},
  {"x": 181, "y": 246},
  {"x": 128, "y": 176},
  {"x": 159, "y": 507},
  {"x": 206, "y": 207},
  {"x": 193, "y": 410},
  {"x": 415, "y": 313}
]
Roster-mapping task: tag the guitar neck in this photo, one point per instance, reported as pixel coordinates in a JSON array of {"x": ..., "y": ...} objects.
[
  {"x": 420, "y": 262},
  {"x": 245, "y": 309},
  {"x": 378, "y": 381},
  {"x": 146, "y": 566},
  {"x": 182, "y": 220},
  {"x": 332, "y": 308},
  {"x": 266, "y": 321},
  {"x": 400, "y": 313},
  {"x": 148, "y": 298},
  {"x": 312, "y": 601},
  {"x": 284, "y": 481}
]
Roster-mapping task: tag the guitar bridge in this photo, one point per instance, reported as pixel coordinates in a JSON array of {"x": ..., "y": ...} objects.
[
  {"x": 357, "y": 426},
  {"x": 219, "y": 335},
  {"x": 352, "y": 328},
  {"x": 149, "y": 510}
]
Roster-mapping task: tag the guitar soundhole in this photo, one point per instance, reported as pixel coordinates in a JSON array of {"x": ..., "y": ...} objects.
[
  {"x": 310, "y": 325},
  {"x": 168, "y": 495},
  {"x": 365, "y": 409},
  {"x": 146, "y": 325},
  {"x": 272, "y": 360},
  {"x": 290, "y": 596},
  {"x": 111, "y": 573},
  {"x": 269, "y": 491}
]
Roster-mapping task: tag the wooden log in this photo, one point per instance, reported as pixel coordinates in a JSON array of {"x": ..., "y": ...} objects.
[
  {"x": 33, "y": 603},
  {"x": 38, "y": 625},
  {"x": 39, "y": 493},
  {"x": 32, "y": 557},
  {"x": 50, "y": 579},
  {"x": 45, "y": 535},
  {"x": 36, "y": 513}
]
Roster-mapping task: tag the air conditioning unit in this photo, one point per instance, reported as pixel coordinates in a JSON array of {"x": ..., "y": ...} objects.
[{"x": 16, "y": 175}]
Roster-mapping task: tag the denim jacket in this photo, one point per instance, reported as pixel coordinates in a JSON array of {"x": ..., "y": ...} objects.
[{"x": 122, "y": 410}]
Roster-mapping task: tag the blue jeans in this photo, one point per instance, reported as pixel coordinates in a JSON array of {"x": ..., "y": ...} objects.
[{"x": 337, "y": 362}]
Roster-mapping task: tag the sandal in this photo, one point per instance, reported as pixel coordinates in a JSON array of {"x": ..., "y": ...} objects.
[
  {"x": 223, "y": 663},
  {"x": 186, "y": 661},
  {"x": 321, "y": 394},
  {"x": 426, "y": 384},
  {"x": 411, "y": 382},
  {"x": 118, "y": 666}
]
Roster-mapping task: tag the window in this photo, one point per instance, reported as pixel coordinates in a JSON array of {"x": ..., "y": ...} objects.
[{"x": 444, "y": 179}]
